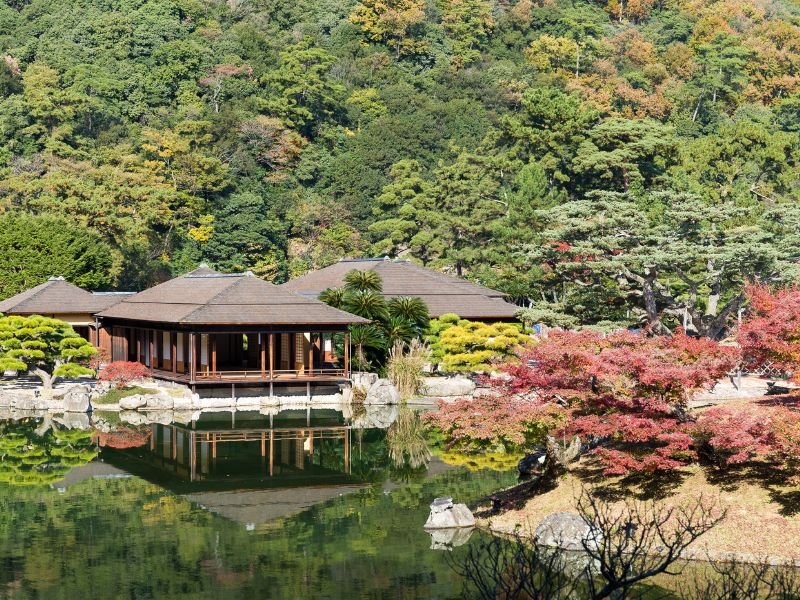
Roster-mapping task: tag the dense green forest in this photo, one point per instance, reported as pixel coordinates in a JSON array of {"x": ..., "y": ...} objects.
[{"x": 603, "y": 162}]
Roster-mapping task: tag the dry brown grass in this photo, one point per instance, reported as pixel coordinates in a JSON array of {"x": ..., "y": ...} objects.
[{"x": 763, "y": 511}]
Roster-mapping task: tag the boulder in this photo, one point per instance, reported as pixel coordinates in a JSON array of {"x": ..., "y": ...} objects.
[
  {"x": 68, "y": 390},
  {"x": 77, "y": 402},
  {"x": 183, "y": 403},
  {"x": 382, "y": 392},
  {"x": 446, "y": 515},
  {"x": 29, "y": 403},
  {"x": 447, "y": 387},
  {"x": 55, "y": 404},
  {"x": 347, "y": 395},
  {"x": 134, "y": 402},
  {"x": 363, "y": 380},
  {"x": 567, "y": 531},
  {"x": 161, "y": 401}
]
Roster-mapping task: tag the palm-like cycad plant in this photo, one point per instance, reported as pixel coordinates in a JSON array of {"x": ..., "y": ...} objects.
[
  {"x": 363, "y": 281},
  {"x": 398, "y": 321},
  {"x": 334, "y": 297},
  {"x": 365, "y": 303},
  {"x": 413, "y": 310},
  {"x": 397, "y": 329},
  {"x": 364, "y": 337}
]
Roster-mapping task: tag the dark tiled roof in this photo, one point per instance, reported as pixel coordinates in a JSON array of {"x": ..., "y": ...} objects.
[
  {"x": 442, "y": 293},
  {"x": 205, "y": 297},
  {"x": 56, "y": 296}
]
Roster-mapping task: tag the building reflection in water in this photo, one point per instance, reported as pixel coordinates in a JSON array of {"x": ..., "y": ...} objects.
[
  {"x": 248, "y": 467},
  {"x": 244, "y": 448},
  {"x": 202, "y": 455}
]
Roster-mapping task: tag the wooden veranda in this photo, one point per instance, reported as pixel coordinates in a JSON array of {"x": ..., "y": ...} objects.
[{"x": 234, "y": 357}]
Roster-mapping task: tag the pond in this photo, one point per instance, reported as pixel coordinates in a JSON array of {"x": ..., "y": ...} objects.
[{"x": 297, "y": 504}]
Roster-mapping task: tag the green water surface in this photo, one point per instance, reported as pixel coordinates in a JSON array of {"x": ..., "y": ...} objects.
[{"x": 133, "y": 523}]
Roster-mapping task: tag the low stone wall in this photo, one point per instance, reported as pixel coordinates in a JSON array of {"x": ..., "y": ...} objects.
[
  {"x": 66, "y": 397},
  {"x": 79, "y": 397}
]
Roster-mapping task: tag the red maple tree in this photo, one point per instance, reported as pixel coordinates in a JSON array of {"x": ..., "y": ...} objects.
[
  {"x": 628, "y": 392},
  {"x": 771, "y": 333},
  {"x": 758, "y": 429},
  {"x": 121, "y": 373}
]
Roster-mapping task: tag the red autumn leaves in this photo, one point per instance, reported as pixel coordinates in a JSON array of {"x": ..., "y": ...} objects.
[
  {"x": 122, "y": 373},
  {"x": 629, "y": 393}
]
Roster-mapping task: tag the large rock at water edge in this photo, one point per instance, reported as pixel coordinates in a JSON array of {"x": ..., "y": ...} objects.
[
  {"x": 134, "y": 402},
  {"x": 363, "y": 380},
  {"x": 447, "y": 387},
  {"x": 77, "y": 402},
  {"x": 446, "y": 515},
  {"x": 566, "y": 530},
  {"x": 162, "y": 401},
  {"x": 382, "y": 392},
  {"x": 30, "y": 403}
]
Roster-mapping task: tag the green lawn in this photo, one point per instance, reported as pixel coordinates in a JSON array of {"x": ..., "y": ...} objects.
[{"x": 115, "y": 395}]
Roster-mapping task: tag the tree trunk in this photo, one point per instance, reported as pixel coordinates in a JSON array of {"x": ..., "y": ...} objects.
[
  {"x": 649, "y": 296},
  {"x": 47, "y": 381}
]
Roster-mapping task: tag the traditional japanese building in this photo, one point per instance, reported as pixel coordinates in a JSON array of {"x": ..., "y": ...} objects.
[
  {"x": 209, "y": 329},
  {"x": 442, "y": 293},
  {"x": 62, "y": 300}
]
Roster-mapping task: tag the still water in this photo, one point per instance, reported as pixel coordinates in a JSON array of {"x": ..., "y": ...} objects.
[{"x": 297, "y": 504}]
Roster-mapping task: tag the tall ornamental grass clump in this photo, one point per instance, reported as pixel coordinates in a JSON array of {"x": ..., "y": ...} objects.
[{"x": 406, "y": 366}]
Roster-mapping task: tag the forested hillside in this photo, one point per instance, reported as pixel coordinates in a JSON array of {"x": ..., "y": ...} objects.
[{"x": 617, "y": 161}]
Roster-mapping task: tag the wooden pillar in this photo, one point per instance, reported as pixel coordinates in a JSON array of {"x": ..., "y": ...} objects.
[
  {"x": 263, "y": 343},
  {"x": 192, "y": 357},
  {"x": 150, "y": 335},
  {"x": 271, "y": 356},
  {"x": 138, "y": 345},
  {"x": 347, "y": 354},
  {"x": 310, "y": 353},
  {"x": 173, "y": 351},
  {"x": 212, "y": 337}
]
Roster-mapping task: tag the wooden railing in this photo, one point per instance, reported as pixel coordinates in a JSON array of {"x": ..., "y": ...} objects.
[{"x": 276, "y": 375}]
